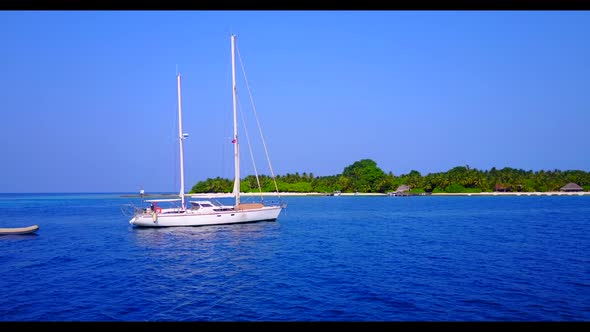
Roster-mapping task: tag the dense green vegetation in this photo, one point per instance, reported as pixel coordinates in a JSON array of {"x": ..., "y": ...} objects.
[{"x": 364, "y": 176}]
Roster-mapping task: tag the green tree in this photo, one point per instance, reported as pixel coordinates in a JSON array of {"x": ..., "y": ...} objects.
[{"x": 364, "y": 175}]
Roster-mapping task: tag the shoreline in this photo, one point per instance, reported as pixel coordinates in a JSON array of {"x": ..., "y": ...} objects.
[{"x": 290, "y": 194}]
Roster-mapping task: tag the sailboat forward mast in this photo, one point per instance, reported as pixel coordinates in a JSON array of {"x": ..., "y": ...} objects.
[{"x": 235, "y": 140}]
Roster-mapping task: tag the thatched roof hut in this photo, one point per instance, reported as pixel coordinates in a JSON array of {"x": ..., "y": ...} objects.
[
  {"x": 502, "y": 187},
  {"x": 403, "y": 188},
  {"x": 571, "y": 187}
]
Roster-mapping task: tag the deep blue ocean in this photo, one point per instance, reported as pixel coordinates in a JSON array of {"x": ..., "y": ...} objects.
[{"x": 362, "y": 259}]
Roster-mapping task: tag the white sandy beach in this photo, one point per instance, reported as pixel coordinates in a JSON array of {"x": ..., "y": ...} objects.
[{"x": 548, "y": 193}]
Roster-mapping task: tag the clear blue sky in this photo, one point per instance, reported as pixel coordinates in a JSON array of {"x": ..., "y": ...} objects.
[{"x": 88, "y": 98}]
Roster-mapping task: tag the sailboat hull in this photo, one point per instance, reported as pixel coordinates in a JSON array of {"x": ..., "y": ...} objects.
[{"x": 190, "y": 218}]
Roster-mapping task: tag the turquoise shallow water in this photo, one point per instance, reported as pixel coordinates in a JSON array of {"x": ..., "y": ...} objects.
[{"x": 325, "y": 259}]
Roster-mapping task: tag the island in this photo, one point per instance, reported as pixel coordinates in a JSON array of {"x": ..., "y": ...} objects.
[{"x": 364, "y": 177}]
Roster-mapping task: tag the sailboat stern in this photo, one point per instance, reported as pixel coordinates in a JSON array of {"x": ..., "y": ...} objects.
[{"x": 253, "y": 213}]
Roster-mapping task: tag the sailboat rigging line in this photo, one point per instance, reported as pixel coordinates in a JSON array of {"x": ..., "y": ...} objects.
[
  {"x": 172, "y": 140},
  {"x": 258, "y": 122},
  {"x": 250, "y": 149}
]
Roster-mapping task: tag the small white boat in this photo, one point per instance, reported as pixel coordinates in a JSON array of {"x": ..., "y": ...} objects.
[{"x": 19, "y": 230}]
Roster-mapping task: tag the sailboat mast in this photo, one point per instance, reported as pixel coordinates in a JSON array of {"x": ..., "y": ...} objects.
[
  {"x": 235, "y": 140},
  {"x": 181, "y": 137}
]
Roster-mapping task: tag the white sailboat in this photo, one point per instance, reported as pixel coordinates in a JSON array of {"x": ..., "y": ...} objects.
[{"x": 206, "y": 212}]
